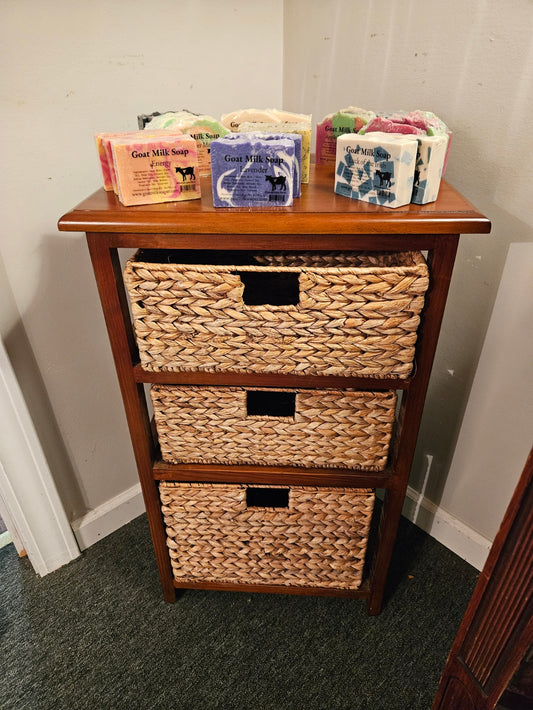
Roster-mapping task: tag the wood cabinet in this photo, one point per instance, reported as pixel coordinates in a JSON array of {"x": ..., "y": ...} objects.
[
  {"x": 490, "y": 664},
  {"x": 319, "y": 221}
]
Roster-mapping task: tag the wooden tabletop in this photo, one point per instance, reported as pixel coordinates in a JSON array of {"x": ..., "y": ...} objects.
[{"x": 318, "y": 211}]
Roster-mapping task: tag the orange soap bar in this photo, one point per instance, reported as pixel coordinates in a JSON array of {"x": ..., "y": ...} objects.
[{"x": 152, "y": 170}]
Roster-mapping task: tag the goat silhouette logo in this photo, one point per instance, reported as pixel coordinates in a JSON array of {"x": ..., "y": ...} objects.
[
  {"x": 186, "y": 172},
  {"x": 280, "y": 180},
  {"x": 384, "y": 178}
]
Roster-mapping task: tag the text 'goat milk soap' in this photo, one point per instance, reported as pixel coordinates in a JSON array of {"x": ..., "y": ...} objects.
[
  {"x": 376, "y": 167},
  {"x": 429, "y": 168},
  {"x": 153, "y": 170},
  {"x": 249, "y": 171}
]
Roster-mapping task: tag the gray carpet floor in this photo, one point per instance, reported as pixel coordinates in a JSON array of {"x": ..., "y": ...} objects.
[{"x": 96, "y": 635}]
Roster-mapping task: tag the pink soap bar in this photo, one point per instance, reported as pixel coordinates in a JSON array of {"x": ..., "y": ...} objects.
[
  {"x": 387, "y": 125},
  {"x": 153, "y": 170}
]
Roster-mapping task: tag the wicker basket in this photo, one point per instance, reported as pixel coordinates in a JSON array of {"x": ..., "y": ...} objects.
[
  {"x": 297, "y": 427},
  {"x": 325, "y": 314},
  {"x": 293, "y": 536}
]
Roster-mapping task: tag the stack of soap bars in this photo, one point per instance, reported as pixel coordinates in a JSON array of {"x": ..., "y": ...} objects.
[
  {"x": 147, "y": 167},
  {"x": 274, "y": 120},
  {"x": 390, "y": 169},
  {"x": 387, "y": 159}
]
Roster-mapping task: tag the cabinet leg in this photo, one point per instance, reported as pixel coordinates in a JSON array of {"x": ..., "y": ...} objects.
[
  {"x": 373, "y": 605},
  {"x": 169, "y": 595},
  {"x": 386, "y": 536}
]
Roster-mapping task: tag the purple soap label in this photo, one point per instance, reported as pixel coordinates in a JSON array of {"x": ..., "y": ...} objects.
[{"x": 248, "y": 171}]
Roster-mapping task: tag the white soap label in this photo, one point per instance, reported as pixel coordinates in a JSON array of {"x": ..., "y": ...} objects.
[{"x": 375, "y": 170}]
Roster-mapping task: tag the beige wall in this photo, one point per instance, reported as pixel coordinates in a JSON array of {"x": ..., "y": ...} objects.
[
  {"x": 74, "y": 68},
  {"x": 472, "y": 64}
]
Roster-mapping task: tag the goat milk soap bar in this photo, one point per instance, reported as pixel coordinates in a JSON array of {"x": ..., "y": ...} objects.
[
  {"x": 274, "y": 120},
  {"x": 376, "y": 167},
  {"x": 347, "y": 120},
  {"x": 429, "y": 167},
  {"x": 233, "y": 120},
  {"x": 250, "y": 171},
  {"x": 158, "y": 169},
  {"x": 105, "y": 151},
  {"x": 201, "y": 127}
]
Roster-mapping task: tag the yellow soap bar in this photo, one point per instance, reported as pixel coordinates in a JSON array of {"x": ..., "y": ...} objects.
[{"x": 158, "y": 169}]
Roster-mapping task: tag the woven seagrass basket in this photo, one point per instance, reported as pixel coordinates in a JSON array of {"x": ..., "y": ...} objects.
[
  {"x": 294, "y": 536},
  {"x": 297, "y": 427},
  {"x": 317, "y": 314}
]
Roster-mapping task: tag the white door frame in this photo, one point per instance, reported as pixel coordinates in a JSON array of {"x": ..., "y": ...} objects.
[{"x": 29, "y": 501}]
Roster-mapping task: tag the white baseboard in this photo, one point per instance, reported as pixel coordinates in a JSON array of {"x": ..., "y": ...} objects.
[
  {"x": 446, "y": 529},
  {"x": 108, "y": 517},
  {"x": 451, "y": 532}
]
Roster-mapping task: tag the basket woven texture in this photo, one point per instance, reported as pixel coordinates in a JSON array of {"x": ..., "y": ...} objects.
[
  {"x": 330, "y": 428},
  {"x": 357, "y": 315},
  {"x": 319, "y": 540}
]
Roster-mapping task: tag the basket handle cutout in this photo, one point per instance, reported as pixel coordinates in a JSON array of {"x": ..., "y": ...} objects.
[
  {"x": 270, "y": 403},
  {"x": 267, "y": 497},
  {"x": 273, "y": 288}
]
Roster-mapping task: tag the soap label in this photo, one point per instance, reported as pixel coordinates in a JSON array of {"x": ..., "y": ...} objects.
[
  {"x": 252, "y": 172},
  {"x": 156, "y": 170},
  {"x": 377, "y": 168}
]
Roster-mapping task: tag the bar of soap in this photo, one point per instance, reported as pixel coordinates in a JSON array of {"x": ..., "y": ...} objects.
[
  {"x": 105, "y": 165},
  {"x": 267, "y": 120},
  {"x": 437, "y": 127},
  {"x": 428, "y": 170},
  {"x": 411, "y": 122},
  {"x": 381, "y": 124},
  {"x": 157, "y": 169},
  {"x": 105, "y": 151},
  {"x": 270, "y": 131},
  {"x": 346, "y": 120},
  {"x": 233, "y": 120},
  {"x": 376, "y": 167},
  {"x": 201, "y": 127},
  {"x": 252, "y": 172}
]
